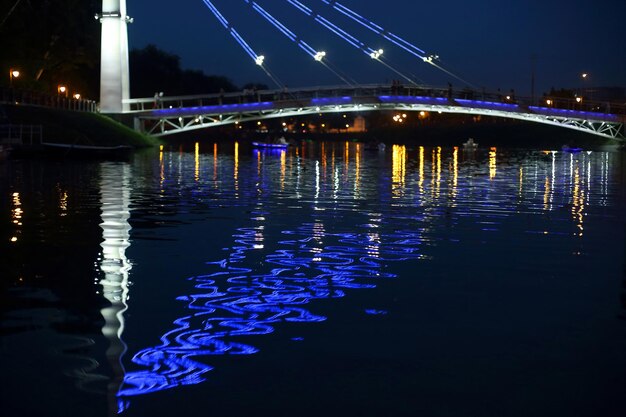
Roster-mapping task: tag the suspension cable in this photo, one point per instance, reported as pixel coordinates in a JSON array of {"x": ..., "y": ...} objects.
[
  {"x": 319, "y": 56},
  {"x": 258, "y": 59},
  {"x": 395, "y": 39},
  {"x": 372, "y": 53}
]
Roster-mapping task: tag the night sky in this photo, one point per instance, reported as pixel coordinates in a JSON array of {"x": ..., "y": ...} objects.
[{"x": 489, "y": 43}]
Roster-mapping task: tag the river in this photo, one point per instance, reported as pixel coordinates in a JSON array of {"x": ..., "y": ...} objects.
[{"x": 324, "y": 279}]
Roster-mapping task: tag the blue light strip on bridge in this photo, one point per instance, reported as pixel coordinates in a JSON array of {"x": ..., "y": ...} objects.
[
  {"x": 439, "y": 101},
  {"x": 331, "y": 101},
  {"x": 548, "y": 111},
  {"x": 487, "y": 104},
  {"x": 225, "y": 108}
]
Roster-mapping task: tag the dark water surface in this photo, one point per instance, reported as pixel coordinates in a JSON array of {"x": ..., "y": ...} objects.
[{"x": 324, "y": 280}]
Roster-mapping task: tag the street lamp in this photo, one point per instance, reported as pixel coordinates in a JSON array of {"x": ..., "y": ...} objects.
[
  {"x": 13, "y": 73},
  {"x": 61, "y": 89},
  {"x": 583, "y": 78}
]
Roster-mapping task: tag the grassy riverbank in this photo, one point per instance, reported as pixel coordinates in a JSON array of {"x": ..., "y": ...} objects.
[{"x": 78, "y": 128}]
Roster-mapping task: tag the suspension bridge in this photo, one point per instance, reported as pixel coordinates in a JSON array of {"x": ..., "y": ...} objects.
[{"x": 161, "y": 116}]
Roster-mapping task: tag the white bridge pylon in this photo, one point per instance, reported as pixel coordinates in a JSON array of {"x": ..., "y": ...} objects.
[
  {"x": 172, "y": 115},
  {"x": 114, "y": 70}
]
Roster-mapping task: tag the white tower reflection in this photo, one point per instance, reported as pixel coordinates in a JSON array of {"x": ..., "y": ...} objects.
[{"x": 115, "y": 266}]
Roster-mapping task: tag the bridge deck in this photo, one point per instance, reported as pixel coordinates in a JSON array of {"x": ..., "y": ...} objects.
[{"x": 177, "y": 114}]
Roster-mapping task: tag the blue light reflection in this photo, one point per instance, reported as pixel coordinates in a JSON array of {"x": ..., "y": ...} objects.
[{"x": 234, "y": 301}]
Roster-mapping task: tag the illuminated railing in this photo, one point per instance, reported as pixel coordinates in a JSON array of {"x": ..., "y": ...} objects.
[{"x": 55, "y": 101}]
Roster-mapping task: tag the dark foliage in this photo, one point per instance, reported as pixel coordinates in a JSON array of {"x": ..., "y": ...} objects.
[
  {"x": 153, "y": 70},
  {"x": 51, "y": 42}
]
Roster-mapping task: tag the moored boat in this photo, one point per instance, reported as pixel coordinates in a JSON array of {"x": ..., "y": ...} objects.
[
  {"x": 281, "y": 142},
  {"x": 65, "y": 149}
]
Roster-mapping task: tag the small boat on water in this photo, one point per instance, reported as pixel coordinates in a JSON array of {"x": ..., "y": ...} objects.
[
  {"x": 280, "y": 143},
  {"x": 269, "y": 145},
  {"x": 470, "y": 145},
  {"x": 375, "y": 146},
  {"x": 120, "y": 151}
]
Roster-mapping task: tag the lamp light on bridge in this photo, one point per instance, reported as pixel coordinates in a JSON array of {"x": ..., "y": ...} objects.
[
  {"x": 61, "y": 89},
  {"x": 584, "y": 75},
  {"x": 579, "y": 99},
  {"x": 76, "y": 96},
  {"x": 430, "y": 58},
  {"x": 549, "y": 102},
  {"x": 319, "y": 56},
  {"x": 259, "y": 60},
  {"x": 13, "y": 73},
  {"x": 376, "y": 54}
]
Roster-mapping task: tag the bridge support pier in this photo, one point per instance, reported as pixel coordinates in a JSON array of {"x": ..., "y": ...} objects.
[{"x": 114, "y": 71}]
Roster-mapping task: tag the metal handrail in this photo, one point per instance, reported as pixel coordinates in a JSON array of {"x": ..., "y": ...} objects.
[{"x": 36, "y": 98}]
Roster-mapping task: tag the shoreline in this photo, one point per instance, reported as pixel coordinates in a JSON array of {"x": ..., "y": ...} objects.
[{"x": 66, "y": 127}]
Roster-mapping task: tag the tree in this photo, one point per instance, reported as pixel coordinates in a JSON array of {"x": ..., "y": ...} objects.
[
  {"x": 51, "y": 42},
  {"x": 153, "y": 70}
]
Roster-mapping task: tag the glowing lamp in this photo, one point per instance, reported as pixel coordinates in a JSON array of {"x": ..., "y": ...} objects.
[{"x": 13, "y": 74}]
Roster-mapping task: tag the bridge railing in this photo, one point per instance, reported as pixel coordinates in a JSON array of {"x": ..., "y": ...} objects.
[
  {"x": 36, "y": 98},
  {"x": 251, "y": 96},
  {"x": 303, "y": 96}
]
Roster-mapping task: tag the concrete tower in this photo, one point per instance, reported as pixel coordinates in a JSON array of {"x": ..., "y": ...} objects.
[{"x": 114, "y": 74}]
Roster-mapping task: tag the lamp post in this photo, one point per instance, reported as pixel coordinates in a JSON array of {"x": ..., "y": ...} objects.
[
  {"x": 585, "y": 92},
  {"x": 13, "y": 73}
]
